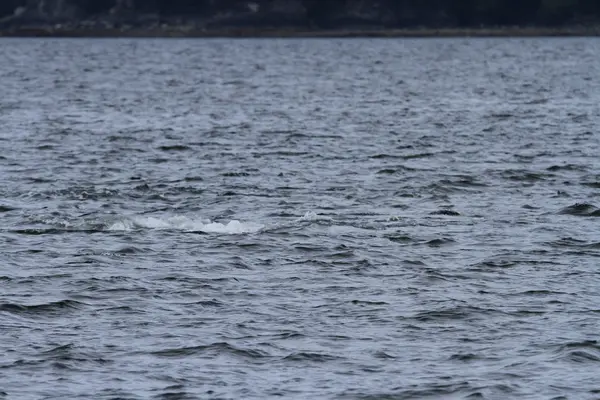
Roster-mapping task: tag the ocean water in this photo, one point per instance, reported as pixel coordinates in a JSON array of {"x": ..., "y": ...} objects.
[{"x": 300, "y": 219}]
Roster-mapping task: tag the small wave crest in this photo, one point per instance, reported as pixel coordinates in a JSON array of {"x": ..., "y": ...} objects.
[
  {"x": 45, "y": 309},
  {"x": 185, "y": 224},
  {"x": 581, "y": 209},
  {"x": 312, "y": 216}
]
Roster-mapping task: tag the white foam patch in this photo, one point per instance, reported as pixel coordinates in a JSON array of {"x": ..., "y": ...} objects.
[
  {"x": 57, "y": 222},
  {"x": 313, "y": 216},
  {"x": 183, "y": 223}
]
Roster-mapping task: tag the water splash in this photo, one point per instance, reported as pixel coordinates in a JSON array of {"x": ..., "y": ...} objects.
[{"x": 184, "y": 223}]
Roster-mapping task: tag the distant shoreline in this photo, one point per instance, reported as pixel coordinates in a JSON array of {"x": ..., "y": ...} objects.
[{"x": 187, "y": 32}]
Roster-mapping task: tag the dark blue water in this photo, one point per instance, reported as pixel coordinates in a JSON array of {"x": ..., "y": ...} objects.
[{"x": 299, "y": 219}]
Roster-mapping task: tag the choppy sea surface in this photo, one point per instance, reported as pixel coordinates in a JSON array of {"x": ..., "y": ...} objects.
[{"x": 300, "y": 219}]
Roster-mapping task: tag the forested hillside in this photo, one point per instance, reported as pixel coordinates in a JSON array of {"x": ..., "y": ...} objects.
[{"x": 321, "y": 14}]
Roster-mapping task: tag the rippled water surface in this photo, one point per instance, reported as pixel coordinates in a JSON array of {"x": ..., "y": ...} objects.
[{"x": 300, "y": 219}]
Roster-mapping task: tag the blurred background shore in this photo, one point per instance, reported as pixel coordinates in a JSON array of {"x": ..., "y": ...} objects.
[{"x": 299, "y": 18}]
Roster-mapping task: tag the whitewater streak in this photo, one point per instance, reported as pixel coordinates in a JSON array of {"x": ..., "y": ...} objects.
[{"x": 183, "y": 223}]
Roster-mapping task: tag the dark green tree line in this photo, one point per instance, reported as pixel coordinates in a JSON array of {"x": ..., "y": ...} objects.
[{"x": 332, "y": 13}]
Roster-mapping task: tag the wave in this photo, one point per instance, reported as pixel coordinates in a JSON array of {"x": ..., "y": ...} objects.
[
  {"x": 310, "y": 356},
  {"x": 46, "y": 309},
  {"x": 127, "y": 223},
  {"x": 210, "y": 350},
  {"x": 312, "y": 216},
  {"x": 587, "y": 351},
  {"x": 581, "y": 209},
  {"x": 185, "y": 224}
]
